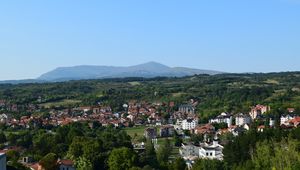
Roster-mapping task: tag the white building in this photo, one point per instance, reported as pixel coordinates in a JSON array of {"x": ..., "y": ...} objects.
[
  {"x": 242, "y": 119},
  {"x": 211, "y": 151},
  {"x": 2, "y": 161},
  {"x": 222, "y": 118},
  {"x": 189, "y": 124},
  {"x": 284, "y": 119}
]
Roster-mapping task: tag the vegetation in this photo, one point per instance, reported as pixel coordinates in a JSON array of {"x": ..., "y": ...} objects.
[{"x": 111, "y": 148}]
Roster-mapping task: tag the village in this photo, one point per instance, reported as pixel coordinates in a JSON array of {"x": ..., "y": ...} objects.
[{"x": 184, "y": 123}]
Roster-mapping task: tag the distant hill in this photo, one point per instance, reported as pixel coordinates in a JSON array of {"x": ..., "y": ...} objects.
[{"x": 146, "y": 70}]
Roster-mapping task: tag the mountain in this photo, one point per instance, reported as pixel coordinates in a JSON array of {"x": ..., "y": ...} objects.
[{"x": 147, "y": 70}]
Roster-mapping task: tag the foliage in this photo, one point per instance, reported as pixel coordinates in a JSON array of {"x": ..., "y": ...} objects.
[
  {"x": 122, "y": 158},
  {"x": 178, "y": 164},
  {"x": 83, "y": 164},
  {"x": 277, "y": 155},
  {"x": 206, "y": 164},
  {"x": 49, "y": 162}
]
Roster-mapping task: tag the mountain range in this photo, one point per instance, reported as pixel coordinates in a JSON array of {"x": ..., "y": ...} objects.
[{"x": 146, "y": 70}]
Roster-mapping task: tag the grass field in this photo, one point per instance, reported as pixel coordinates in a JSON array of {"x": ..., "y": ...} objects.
[
  {"x": 65, "y": 102},
  {"x": 139, "y": 131},
  {"x": 134, "y": 83}
]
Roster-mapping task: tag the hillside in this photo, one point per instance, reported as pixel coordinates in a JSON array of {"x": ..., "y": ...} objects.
[
  {"x": 146, "y": 70},
  {"x": 216, "y": 93}
]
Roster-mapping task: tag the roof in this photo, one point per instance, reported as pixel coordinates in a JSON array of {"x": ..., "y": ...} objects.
[{"x": 66, "y": 162}]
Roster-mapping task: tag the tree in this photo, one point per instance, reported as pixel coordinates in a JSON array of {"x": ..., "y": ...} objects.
[
  {"x": 163, "y": 152},
  {"x": 2, "y": 137},
  {"x": 12, "y": 155},
  {"x": 149, "y": 156},
  {"x": 206, "y": 164},
  {"x": 83, "y": 164},
  {"x": 49, "y": 162},
  {"x": 178, "y": 164},
  {"x": 121, "y": 158},
  {"x": 178, "y": 140},
  {"x": 277, "y": 155}
]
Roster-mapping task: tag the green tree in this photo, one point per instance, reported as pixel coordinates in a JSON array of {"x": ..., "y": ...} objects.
[
  {"x": 121, "y": 158},
  {"x": 164, "y": 151},
  {"x": 178, "y": 164},
  {"x": 49, "y": 162},
  {"x": 2, "y": 138},
  {"x": 277, "y": 155},
  {"x": 12, "y": 155},
  {"x": 150, "y": 154},
  {"x": 206, "y": 164},
  {"x": 83, "y": 164}
]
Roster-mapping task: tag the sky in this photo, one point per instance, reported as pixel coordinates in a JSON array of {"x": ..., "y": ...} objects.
[{"x": 225, "y": 35}]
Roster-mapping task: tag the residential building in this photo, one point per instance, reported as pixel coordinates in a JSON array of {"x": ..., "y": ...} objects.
[
  {"x": 66, "y": 164},
  {"x": 166, "y": 131},
  {"x": 242, "y": 119},
  {"x": 189, "y": 151},
  {"x": 188, "y": 109},
  {"x": 236, "y": 131},
  {"x": 150, "y": 133},
  {"x": 284, "y": 119},
  {"x": 204, "y": 129},
  {"x": 211, "y": 151},
  {"x": 189, "y": 124},
  {"x": 223, "y": 118},
  {"x": 258, "y": 110}
]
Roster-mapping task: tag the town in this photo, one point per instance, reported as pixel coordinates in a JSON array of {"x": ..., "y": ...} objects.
[{"x": 180, "y": 122}]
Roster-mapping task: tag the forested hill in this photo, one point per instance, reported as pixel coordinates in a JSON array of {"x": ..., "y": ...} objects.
[{"x": 215, "y": 93}]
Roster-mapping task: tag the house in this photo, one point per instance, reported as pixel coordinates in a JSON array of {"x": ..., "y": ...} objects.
[
  {"x": 291, "y": 110},
  {"x": 238, "y": 130},
  {"x": 2, "y": 161},
  {"x": 189, "y": 152},
  {"x": 284, "y": 119},
  {"x": 204, "y": 129},
  {"x": 211, "y": 150},
  {"x": 258, "y": 110},
  {"x": 295, "y": 122},
  {"x": 150, "y": 133},
  {"x": 189, "y": 124},
  {"x": 3, "y": 118},
  {"x": 188, "y": 109},
  {"x": 223, "y": 118},
  {"x": 241, "y": 119},
  {"x": 66, "y": 164},
  {"x": 272, "y": 122},
  {"x": 166, "y": 131}
]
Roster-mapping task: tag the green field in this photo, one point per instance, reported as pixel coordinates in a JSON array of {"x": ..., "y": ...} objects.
[
  {"x": 64, "y": 102},
  {"x": 135, "y": 131}
]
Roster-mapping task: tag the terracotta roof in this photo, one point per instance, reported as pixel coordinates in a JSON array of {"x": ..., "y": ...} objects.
[{"x": 66, "y": 162}]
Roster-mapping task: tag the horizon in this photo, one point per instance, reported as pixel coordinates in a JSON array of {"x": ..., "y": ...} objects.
[{"x": 231, "y": 36}]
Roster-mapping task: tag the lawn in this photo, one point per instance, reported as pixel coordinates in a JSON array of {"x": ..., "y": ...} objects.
[{"x": 139, "y": 131}]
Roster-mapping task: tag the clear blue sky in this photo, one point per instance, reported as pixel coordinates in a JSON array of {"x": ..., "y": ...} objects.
[{"x": 228, "y": 35}]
